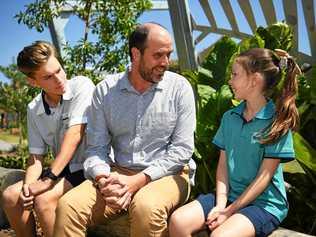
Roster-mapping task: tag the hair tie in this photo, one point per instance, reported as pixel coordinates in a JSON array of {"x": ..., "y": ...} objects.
[{"x": 284, "y": 56}]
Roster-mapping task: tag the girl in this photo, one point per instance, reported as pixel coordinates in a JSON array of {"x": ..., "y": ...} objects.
[{"x": 253, "y": 139}]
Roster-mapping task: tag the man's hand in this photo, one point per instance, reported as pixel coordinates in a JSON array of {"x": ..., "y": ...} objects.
[
  {"x": 134, "y": 182},
  {"x": 26, "y": 198},
  {"x": 40, "y": 186},
  {"x": 117, "y": 190},
  {"x": 114, "y": 192}
]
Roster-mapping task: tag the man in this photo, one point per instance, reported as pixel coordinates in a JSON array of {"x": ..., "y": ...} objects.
[
  {"x": 147, "y": 115},
  {"x": 56, "y": 118}
]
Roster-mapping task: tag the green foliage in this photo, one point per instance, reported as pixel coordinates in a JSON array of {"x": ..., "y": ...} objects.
[
  {"x": 18, "y": 159},
  {"x": 15, "y": 96},
  {"x": 104, "y": 44},
  {"x": 218, "y": 60},
  {"x": 302, "y": 189},
  {"x": 15, "y": 160},
  {"x": 277, "y": 36}
]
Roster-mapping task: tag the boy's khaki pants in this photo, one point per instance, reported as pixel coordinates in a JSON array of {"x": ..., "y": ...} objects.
[{"x": 148, "y": 212}]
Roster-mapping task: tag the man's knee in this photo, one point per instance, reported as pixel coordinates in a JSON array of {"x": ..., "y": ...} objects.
[
  {"x": 149, "y": 210},
  {"x": 63, "y": 206}
]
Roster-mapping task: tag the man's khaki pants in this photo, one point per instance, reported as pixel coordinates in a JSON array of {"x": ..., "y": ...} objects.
[{"x": 148, "y": 212}]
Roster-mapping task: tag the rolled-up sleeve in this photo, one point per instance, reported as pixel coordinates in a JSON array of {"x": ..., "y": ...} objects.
[
  {"x": 181, "y": 146},
  {"x": 98, "y": 137}
]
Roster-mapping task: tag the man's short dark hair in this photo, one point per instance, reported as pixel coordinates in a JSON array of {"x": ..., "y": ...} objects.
[{"x": 138, "y": 37}]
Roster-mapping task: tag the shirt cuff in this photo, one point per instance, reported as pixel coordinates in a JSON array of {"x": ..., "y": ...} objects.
[
  {"x": 37, "y": 151},
  {"x": 154, "y": 172},
  {"x": 280, "y": 155},
  {"x": 77, "y": 120},
  {"x": 98, "y": 169},
  {"x": 220, "y": 146}
]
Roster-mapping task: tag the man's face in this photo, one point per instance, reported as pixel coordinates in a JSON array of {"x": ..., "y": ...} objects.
[
  {"x": 51, "y": 77},
  {"x": 155, "y": 59}
]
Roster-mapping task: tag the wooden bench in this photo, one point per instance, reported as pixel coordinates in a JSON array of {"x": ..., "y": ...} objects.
[{"x": 118, "y": 227}]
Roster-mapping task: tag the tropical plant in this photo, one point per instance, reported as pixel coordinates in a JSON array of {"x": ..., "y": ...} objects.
[{"x": 107, "y": 25}]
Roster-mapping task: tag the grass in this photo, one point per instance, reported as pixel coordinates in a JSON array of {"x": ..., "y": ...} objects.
[{"x": 6, "y": 136}]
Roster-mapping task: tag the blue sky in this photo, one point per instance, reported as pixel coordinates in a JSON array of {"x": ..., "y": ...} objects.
[{"x": 15, "y": 36}]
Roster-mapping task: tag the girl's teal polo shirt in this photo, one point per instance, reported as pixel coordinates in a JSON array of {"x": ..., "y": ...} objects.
[{"x": 244, "y": 156}]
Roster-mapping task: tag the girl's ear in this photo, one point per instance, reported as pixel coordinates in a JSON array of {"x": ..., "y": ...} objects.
[
  {"x": 31, "y": 82},
  {"x": 257, "y": 79}
]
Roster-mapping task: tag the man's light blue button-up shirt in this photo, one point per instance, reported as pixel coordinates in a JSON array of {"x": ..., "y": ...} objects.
[{"x": 150, "y": 132}]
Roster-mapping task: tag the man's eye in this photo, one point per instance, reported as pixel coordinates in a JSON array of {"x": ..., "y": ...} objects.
[{"x": 157, "y": 56}]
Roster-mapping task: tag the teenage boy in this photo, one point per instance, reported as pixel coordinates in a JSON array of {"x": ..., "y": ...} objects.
[{"x": 56, "y": 119}]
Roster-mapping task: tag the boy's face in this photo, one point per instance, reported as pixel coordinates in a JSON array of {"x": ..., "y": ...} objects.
[{"x": 50, "y": 77}]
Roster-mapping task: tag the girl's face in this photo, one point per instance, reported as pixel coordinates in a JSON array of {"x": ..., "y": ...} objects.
[{"x": 240, "y": 82}]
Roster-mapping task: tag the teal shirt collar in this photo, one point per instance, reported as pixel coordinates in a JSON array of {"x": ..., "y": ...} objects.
[{"x": 266, "y": 111}]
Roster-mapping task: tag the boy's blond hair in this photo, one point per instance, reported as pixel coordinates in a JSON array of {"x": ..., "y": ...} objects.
[{"x": 32, "y": 57}]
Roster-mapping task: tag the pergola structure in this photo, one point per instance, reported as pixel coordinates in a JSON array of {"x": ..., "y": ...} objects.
[{"x": 184, "y": 24}]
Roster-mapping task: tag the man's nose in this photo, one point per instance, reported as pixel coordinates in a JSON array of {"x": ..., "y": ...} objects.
[{"x": 165, "y": 61}]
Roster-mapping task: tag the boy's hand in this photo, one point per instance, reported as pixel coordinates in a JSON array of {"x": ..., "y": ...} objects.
[
  {"x": 26, "y": 198},
  {"x": 40, "y": 186}
]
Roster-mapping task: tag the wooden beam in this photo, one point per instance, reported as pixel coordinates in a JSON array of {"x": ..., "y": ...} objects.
[
  {"x": 268, "y": 11},
  {"x": 309, "y": 14},
  {"x": 290, "y": 11},
  {"x": 247, "y": 10}
]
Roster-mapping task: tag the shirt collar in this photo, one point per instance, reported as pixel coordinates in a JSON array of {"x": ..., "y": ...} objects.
[
  {"x": 69, "y": 92},
  {"x": 266, "y": 111},
  {"x": 44, "y": 107},
  {"x": 41, "y": 107}
]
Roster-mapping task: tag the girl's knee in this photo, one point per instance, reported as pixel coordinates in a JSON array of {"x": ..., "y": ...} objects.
[
  {"x": 217, "y": 233},
  {"x": 176, "y": 220}
]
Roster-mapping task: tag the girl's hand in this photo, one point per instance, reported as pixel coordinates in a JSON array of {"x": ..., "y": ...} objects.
[
  {"x": 216, "y": 217},
  {"x": 213, "y": 215}
]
